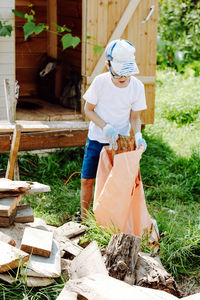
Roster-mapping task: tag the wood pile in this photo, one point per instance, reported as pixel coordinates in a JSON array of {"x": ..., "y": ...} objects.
[
  {"x": 95, "y": 276},
  {"x": 43, "y": 252}
]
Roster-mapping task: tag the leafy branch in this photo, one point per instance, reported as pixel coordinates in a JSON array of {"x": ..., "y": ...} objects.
[{"x": 31, "y": 27}]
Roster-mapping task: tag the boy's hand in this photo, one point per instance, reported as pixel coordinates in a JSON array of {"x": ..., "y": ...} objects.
[
  {"x": 112, "y": 135},
  {"x": 139, "y": 141}
]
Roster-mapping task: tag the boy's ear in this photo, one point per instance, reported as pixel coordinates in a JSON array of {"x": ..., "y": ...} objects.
[{"x": 107, "y": 64}]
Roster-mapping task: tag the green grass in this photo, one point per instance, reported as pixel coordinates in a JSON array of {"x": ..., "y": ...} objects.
[{"x": 170, "y": 174}]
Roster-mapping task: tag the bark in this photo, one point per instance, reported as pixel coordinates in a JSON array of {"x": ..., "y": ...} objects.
[
  {"x": 150, "y": 273},
  {"x": 121, "y": 256}
]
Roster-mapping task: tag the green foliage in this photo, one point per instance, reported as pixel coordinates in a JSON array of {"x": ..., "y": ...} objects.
[
  {"x": 30, "y": 27},
  {"x": 178, "y": 33},
  {"x": 5, "y": 29},
  {"x": 69, "y": 40}
]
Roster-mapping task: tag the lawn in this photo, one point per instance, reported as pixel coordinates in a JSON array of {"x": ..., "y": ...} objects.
[{"x": 170, "y": 174}]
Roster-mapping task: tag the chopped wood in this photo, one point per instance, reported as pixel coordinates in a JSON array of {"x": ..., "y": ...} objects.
[
  {"x": 67, "y": 295},
  {"x": 37, "y": 187},
  {"x": 7, "y": 278},
  {"x": 88, "y": 262},
  {"x": 67, "y": 247},
  {"x": 47, "y": 266},
  {"x": 70, "y": 229},
  {"x": 150, "y": 273},
  {"x": 8, "y": 221},
  {"x": 13, "y": 186},
  {"x": 38, "y": 281},
  {"x": 24, "y": 214},
  {"x": 7, "y": 206},
  {"x": 37, "y": 241},
  {"x": 7, "y": 239},
  {"x": 121, "y": 256},
  {"x": 29, "y": 281},
  {"x": 102, "y": 287},
  {"x": 11, "y": 257},
  {"x": 65, "y": 268}
]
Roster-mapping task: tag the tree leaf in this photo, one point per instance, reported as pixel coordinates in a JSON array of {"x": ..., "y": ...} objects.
[
  {"x": 75, "y": 41},
  {"x": 18, "y": 13},
  {"x": 66, "y": 41},
  {"x": 5, "y": 30},
  {"x": 98, "y": 49},
  {"x": 29, "y": 28},
  {"x": 39, "y": 28}
]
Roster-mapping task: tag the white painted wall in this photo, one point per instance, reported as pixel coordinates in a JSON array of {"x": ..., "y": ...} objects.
[{"x": 7, "y": 56}]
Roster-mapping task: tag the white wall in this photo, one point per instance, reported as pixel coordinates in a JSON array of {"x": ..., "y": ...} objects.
[{"x": 7, "y": 55}]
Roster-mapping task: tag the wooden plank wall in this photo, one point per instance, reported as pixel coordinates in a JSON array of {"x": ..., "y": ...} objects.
[
  {"x": 30, "y": 53},
  {"x": 70, "y": 14},
  {"x": 7, "y": 55},
  {"x": 144, "y": 38}
]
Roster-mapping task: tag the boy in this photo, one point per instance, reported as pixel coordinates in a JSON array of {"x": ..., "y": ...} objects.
[{"x": 113, "y": 103}]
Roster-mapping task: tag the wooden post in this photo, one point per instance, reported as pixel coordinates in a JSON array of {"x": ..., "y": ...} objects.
[{"x": 13, "y": 151}]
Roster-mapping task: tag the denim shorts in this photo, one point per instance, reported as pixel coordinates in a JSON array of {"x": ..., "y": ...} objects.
[{"x": 91, "y": 159}]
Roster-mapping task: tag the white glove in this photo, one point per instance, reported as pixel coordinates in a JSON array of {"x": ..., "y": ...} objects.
[
  {"x": 139, "y": 141},
  {"x": 112, "y": 135}
]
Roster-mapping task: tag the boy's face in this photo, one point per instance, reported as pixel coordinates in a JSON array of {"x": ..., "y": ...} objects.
[{"x": 119, "y": 81}]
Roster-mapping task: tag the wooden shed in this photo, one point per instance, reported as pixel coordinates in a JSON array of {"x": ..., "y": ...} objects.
[{"x": 103, "y": 20}]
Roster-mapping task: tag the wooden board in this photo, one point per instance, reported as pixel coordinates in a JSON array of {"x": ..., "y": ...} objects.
[
  {"x": 7, "y": 206},
  {"x": 24, "y": 214},
  {"x": 70, "y": 229},
  {"x": 11, "y": 257},
  {"x": 37, "y": 241},
  {"x": 8, "y": 221}
]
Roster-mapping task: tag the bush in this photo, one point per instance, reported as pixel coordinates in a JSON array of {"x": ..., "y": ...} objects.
[{"x": 178, "y": 33}]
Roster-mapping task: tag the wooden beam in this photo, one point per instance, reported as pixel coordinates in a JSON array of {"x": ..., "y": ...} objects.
[
  {"x": 13, "y": 152},
  {"x": 119, "y": 29},
  {"x": 146, "y": 79},
  {"x": 38, "y": 140},
  {"x": 33, "y": 126}
]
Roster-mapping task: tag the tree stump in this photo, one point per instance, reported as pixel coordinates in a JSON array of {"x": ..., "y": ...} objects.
[
  {"x": 121, "y": 256},
  {"x": 150, "y": 273}
]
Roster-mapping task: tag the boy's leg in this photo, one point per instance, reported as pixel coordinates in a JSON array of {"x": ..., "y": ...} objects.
[
  {"x": 88, "y": 173},
  {"x": 86, "y": 195}
]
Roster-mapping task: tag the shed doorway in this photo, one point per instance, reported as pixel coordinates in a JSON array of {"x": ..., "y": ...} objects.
[{"x": 57, "y": 95}]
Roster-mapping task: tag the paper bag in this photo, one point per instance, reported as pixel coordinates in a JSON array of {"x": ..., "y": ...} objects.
[{"x": 119, "y": 196}]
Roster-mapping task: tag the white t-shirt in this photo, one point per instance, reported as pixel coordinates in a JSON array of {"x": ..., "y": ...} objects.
[{"x": 113, "y": 104}]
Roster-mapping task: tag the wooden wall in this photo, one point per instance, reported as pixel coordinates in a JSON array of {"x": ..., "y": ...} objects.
[
  {"x": 7, "y": 55},
  {"x": 70, "y": 14},
  {"x": 29, "y": 53}
]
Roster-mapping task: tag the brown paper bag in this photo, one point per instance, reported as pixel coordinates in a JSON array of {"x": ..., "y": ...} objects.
[{"x": 119, "y": 196}]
